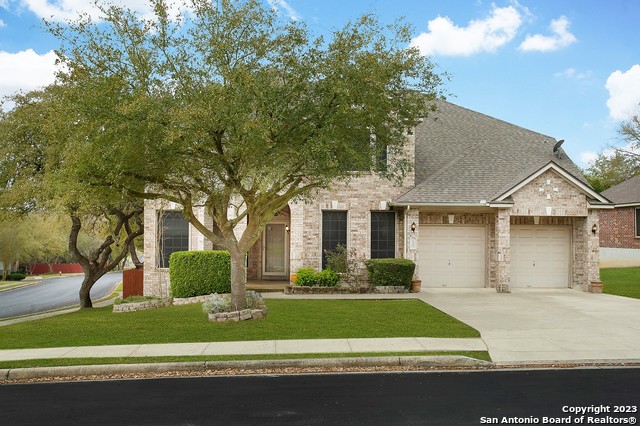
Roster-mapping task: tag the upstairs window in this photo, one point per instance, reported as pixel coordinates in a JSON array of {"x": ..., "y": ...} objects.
[
  {"x": 173, "y": 235},
  {"x": 383, "y": 235}
]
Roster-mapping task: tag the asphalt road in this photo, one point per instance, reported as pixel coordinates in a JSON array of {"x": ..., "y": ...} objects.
[
  {"x": 52, "y": 293},
  {"x": 425, "y": 398}
]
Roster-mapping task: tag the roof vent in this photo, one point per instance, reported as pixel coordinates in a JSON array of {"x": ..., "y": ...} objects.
[{"x": 556, "y": 148}]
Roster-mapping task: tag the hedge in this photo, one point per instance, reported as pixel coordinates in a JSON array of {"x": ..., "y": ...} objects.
[
  {"x": 390, "y": 271},
  {"x": 15, "y": 276},
  {"x": 307, "y": 277},
  {"x": 197, "y": 273}
]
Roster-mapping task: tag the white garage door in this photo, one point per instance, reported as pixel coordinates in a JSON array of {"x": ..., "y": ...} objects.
[
  {"x": 452, "y": 256},
  {"x": 540, "y": 256}
]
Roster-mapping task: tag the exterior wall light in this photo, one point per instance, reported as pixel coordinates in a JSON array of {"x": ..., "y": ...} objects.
[
  {"x": 286, "y": 228},
  {"x": 594, "y": 229},
  {"x": 413, "y": 227}
]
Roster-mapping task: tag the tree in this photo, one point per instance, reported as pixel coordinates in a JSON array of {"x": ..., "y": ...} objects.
[
  {"x": 39, "y": 172},
  {"x": 610, "y": 169},
  {"x": 226, "y": 107},
  {"x": 16, "y": 242}
]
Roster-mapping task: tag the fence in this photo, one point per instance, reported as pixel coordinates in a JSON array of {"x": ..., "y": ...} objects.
[
  {"x": 132, "y": 282},
  {"x": 56, "y": 268}
]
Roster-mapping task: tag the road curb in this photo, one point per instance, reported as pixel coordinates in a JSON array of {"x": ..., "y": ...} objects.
[{"x": 86, "y": 371}]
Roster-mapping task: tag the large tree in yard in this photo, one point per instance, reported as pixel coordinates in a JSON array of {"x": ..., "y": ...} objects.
[
  {"x": 227, "y": 107},
  {"x": 41, "y": 172}
]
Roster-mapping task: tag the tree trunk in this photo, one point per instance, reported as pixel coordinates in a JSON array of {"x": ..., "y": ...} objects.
[
  {"x": 134, "y": 256},
  {"x": 238, "y": 279},
  {"x": 85, "y": 289}
]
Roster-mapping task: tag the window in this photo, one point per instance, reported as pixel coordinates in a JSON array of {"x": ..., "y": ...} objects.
[
  {"x": 638, "y": 222},
  {"x": 334, "y": 232},
  {"x": 173, "y": 235},
  {"x": 383, "y": 235}
]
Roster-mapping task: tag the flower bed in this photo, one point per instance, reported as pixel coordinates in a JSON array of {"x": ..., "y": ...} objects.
[{"x": 294, "y": 289}]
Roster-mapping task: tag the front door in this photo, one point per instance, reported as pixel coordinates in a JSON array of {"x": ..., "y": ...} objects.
[{"x": 275, "y": 262}]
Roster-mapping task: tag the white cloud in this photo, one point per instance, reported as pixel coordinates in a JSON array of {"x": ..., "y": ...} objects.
[
  {"x": 486, "y": 35},
  {"x": 588, "y": 157},
  {"x": 2, "y": 24},
  {"x": 25, "y": 71},
  {"x": 624, "y": 93},
  {"x": 572, "y": 73},
  {"x": 282, "y": 4},
  {"x": 561, "y": 38}
]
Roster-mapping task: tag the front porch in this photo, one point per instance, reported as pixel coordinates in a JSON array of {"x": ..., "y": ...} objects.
[{"x": 266, "y": 286}]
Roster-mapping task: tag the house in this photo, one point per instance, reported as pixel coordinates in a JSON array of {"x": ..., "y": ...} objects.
[
  {"x": 489, "y": 204},
  {"x": 620, "y": 227}
]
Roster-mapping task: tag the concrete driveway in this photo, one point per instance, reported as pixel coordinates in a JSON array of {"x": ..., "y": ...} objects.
[{"x": 530, "y": 325}]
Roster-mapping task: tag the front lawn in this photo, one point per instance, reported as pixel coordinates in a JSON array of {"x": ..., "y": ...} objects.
[
  {"x": 287, "y": 319},
  {"x": 621, "y": 281}
]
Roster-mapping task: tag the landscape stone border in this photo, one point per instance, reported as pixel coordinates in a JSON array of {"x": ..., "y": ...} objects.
[
  {"x": 243, "y": 315},
  {"x": 294, "y": 289},
  {"x": 158, "y": 303},
  {"x": 142, "y": 306}
]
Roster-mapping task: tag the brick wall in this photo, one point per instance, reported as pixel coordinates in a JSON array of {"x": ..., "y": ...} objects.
[{"x": 618, "y": 227}]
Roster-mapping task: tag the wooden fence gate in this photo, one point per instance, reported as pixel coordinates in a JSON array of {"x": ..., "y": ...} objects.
[{"x": 132, "y": 282}]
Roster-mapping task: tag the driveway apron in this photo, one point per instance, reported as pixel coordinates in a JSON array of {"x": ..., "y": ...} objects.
[{"x": 547, "y": 325}]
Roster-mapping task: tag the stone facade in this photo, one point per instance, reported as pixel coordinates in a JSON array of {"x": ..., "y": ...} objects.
[{"x": 549, "y": 199}]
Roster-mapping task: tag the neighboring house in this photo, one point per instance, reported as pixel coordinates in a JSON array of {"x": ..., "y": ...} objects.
[
  {"x": 489, "y": 204},
  {"x": 620, "y": 227}
]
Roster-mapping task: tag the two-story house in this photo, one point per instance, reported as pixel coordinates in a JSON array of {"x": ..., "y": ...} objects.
[{"x": 488, "y": 204}]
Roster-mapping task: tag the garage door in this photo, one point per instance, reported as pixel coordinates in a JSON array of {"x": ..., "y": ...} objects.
[
  {"x": 452, "y": 256},
  {"x": 540, "y": 256}
]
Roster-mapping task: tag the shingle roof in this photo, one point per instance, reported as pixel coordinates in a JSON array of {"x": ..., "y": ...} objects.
[
  {"x": 627, "y": 192},
  {"x": 463, "y": 156}
]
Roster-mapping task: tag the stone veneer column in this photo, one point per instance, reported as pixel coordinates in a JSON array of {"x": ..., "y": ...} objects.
[
  {"x": 593, "y": 246},
  {"x": 503, "y": 250},
  {"x": 296, "y": 237},
  {"x": 413, "y": 216}
]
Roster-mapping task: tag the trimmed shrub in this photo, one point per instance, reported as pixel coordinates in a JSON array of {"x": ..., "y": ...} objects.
[
  {"x": 307, "y": 277},
  {"x": 390, "y": 271},
  {"x": 15, "y": 276},
  {"x": 327, "y": 278},
  {"x": 197, "y": 273}
]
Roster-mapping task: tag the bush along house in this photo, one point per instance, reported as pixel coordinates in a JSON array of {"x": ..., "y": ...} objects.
[{"x": 488, "y": 205}]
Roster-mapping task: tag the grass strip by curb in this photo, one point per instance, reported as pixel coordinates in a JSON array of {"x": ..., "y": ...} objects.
[{"x": 64, "y": 362}]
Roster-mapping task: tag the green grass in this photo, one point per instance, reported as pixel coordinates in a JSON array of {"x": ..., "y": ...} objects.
[
  {"x": 621, "y": 281},
  {"x": 287, "y": 319},
  {"x": 62, "y": 362}
]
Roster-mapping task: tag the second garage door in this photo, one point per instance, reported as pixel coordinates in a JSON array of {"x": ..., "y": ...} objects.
[
  {"x": 452, "y": 256},
  {"x": 540, "y": 256}
]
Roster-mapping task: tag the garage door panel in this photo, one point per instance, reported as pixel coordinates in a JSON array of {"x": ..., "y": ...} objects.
[
  {"x": 540, "y": 256},
  {"x": 452, "y": 256}
]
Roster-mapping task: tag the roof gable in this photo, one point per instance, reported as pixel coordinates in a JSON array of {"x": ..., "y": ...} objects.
[{"x": 590, "y": 192}]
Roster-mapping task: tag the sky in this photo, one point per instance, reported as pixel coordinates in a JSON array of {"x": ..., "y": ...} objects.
[{"x": 569, "y": 69}]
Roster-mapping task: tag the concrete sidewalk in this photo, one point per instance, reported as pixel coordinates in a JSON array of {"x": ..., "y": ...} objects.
[{"x": 260, "y": 347}]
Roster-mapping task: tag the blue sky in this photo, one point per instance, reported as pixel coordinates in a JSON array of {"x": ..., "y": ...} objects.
[{"x": 566, "y": 68}]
